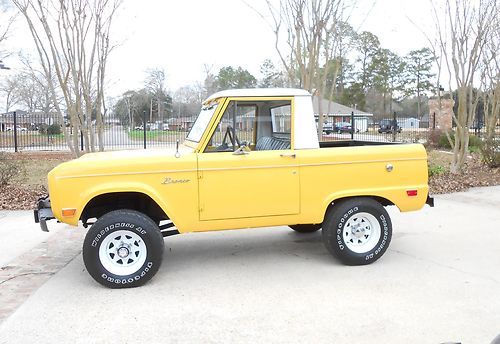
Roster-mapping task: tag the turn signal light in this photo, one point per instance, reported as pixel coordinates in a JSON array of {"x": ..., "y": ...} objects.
[
  {"x": 67, "y": 212},
  {"x": 411, "y": 193}
]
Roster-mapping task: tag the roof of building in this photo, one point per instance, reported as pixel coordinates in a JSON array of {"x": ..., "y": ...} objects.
[
  {"x": 259, "y": 92},
  {"x": 329, "y": 107}
]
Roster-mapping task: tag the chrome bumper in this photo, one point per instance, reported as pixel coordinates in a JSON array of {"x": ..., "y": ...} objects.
[{"x": 43, "y": 213}]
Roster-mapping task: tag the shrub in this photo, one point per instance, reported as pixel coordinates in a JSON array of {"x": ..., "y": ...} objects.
[
  {"x": 490, "y": 151},
  {"x": 42, "y": 129},
  {"x": 475, "y": 142},
  {"x": 9, "y": 169},
  {"x": 53, "y": 129},
  {"x": 443, "y": 141},
  {"x": 435, "y": 170}
]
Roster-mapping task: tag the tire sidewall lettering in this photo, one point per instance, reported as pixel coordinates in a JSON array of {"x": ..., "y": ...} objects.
[
  {"x": 122, "y": 225},
  {"x": 129, "y": 279}
]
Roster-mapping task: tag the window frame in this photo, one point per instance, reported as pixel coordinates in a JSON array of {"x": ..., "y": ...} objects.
[{"x": 255, "y": 100}]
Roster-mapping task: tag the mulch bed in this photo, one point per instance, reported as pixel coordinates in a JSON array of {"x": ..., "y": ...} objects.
[
  {"x": 20, "y": 197},
  {"x": 475, "y": 173}
]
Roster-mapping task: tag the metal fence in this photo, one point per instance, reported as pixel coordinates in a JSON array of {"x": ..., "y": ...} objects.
[{"x": 21, "y": 132}]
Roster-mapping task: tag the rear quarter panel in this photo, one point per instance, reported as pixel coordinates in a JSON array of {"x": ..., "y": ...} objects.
[{"x": 328, "y": 174}]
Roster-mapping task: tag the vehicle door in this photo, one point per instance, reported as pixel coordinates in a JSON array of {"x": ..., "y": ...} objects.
[{"x": 248, "y": 168}]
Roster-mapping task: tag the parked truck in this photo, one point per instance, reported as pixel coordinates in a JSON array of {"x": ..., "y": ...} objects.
[{"x": 251, "y": 159}]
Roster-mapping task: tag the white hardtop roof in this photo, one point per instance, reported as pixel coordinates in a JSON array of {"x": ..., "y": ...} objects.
[{"x": 259, "y": 92}]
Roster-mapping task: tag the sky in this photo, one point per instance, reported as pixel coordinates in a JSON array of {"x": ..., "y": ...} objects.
[{"x": 183, "y": 37}]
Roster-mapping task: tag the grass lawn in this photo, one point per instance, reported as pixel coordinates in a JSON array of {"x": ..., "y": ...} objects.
[
  {"x": 29, "y": 139},
  {"x": 157, "y": 135},
  {"x": 35, "y": 166}
]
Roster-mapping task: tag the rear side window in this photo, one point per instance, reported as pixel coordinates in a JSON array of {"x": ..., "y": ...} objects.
[{"x": 281, "y": 119}]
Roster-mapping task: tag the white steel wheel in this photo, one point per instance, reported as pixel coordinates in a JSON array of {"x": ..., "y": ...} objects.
[
  {"x": 123, "y": 252},
  {"x": 123, "y": 249},
  {"x": 357, "y": 230},
  {"x": 361, "y": 232}
]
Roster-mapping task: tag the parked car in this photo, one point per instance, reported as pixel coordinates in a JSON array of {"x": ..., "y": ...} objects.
[
  {"x": 19, "y": 128},
  {"x": 224, "y": 178},
  {"x": 345, "y": 127},
  {"x": 388, "y": 126},
  {"x": 329, "y": 128}
]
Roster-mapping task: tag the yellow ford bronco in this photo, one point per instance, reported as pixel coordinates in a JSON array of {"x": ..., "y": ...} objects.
[{"x": 251, "y": 159}]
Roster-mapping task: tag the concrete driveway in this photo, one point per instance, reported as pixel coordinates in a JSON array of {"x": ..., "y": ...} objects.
[{"x": 438, "y": 282}]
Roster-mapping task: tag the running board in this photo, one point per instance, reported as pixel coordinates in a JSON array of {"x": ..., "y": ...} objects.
[
  {"x": 165, "y": 232},
  {"x": 169, "y": 233}
]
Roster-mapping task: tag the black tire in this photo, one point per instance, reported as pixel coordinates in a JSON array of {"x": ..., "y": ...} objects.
[
  {"x": 141, "y": 243},
  {"x": 306, "y": 228},
  {"x": 346, "y": 243}
]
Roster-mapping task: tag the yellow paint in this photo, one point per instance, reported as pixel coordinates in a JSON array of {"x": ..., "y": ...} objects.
[{"x": 226, "y": 191}]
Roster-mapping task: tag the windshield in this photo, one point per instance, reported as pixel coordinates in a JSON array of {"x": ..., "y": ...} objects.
[{"x": 201, "y": 122}]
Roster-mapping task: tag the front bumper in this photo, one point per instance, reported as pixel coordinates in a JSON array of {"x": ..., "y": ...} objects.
[{"x": 43, "y": 213}]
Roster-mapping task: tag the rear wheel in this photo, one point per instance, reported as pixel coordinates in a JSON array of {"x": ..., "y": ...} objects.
[
  {"x": 306, "y": 228},
  {"x": 123, "y": 249},
  {"x": 357, "y": 231}
]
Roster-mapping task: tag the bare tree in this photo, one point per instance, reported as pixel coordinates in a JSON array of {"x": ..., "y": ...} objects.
[
  {"x": 29, "y": 90},
  {"x": 464, "y": 27},
  {"x": 312, "y": 30},
  {"x": 5, "y": 25},
  {"x": 72, "y": 42},
  {"x": 9, "y": 88},
  {"x": 490, "y": 81}
]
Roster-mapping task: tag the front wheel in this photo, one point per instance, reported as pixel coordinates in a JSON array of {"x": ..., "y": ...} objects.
[
  {"x": 123, "y": 249},
  {"x": 357, "y": 231}
]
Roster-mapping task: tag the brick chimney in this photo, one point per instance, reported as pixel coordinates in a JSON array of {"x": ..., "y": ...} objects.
[{"x": 444, "y": 115}]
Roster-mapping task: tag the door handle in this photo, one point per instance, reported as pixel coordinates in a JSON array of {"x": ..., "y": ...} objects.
[{"x": 288, "y": 156}]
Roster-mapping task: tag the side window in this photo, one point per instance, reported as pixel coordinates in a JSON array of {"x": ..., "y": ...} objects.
[
  {"x": 275, "y": 126},
  {"x": 259, "y": 125},
  {"x": 236, "y": 128},
  {"x": 281, "y": 119}
]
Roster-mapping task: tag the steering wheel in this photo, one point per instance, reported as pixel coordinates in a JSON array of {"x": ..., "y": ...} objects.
[{"x": 230, "y": 135}]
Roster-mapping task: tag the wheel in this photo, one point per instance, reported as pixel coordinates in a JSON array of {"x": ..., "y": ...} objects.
[
  {"x": 357, "y": 231},
  {"x": 306, "y": 228},
  {"x": 123, "y": 249}
]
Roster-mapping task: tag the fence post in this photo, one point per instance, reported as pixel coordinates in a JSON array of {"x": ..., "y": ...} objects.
[
  {"x": 434, "y": 121},
  {"x": 144, "y": 126},
  {"x": 15, "y": 131},
  {"x": 81, "y": 140},
  {"x": 394, "y": 126},
  {"x": 352, "y": 125}
]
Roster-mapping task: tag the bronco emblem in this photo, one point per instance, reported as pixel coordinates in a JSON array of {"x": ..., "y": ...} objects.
[{"x": 169, "y": 180}]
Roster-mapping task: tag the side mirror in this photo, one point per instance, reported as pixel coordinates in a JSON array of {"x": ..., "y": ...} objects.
[{"x": 243, "y": 149}]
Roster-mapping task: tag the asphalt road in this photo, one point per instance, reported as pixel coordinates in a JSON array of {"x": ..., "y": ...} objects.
[{"x": 438, "y": 282}]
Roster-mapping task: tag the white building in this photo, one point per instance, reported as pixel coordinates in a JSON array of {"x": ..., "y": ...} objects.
[
  {"x": 335, "y": 113},
  {"x": 408, "y": 123}
]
